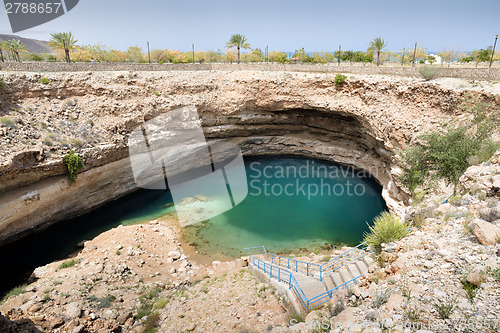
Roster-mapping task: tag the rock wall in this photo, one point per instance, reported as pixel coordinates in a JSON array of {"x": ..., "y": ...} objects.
[{"x": 360, "y": 124}]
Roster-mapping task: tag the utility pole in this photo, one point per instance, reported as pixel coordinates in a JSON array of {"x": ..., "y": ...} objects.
[
  {"x": 340, "y": 52},
  {"x": 414, "y": 54},
  {"x": 193, "y": 53},
  {"x": 149, "y": 54},
  {"x": 267, "y": 53},
  {"x": 403, "y": 58},
  {"x": 493, "y": 51}
]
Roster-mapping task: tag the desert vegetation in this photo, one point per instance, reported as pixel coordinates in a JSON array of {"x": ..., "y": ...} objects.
[
  {"x": 446, "y": 153},
  {"x": 64, "y": 47}
]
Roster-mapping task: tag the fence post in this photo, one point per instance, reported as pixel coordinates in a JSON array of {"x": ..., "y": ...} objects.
[
  {"x": 290, "y": 282},
  {"x": 307, "y": 269},
  {"x": 271, "y": 271},
  {"x": 279, "y": 274}
]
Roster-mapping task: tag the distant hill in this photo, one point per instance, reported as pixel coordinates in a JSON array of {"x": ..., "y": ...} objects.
[{"x": 33, "y": 45}]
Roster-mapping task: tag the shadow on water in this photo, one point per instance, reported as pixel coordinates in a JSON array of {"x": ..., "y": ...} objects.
[{"x": 60, "y": 240}]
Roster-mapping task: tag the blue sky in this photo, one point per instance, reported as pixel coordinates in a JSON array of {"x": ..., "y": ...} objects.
[{"x": 283, "y": 25}]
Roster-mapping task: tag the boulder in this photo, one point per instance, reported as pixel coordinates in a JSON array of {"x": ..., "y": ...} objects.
[
  {"x": 387, "y": 323},
  {"x": 56, "y": 322},
  {"x": 312, "y": 316},
  {"x": 475, "y": 277},
  {"x": 346, "y": 317},
  {"x": 73, "y": 310},
  {"x": 174, "y": 255},
  {"x": 394, "y": 302},
  {"x": 486, "y": 233}
]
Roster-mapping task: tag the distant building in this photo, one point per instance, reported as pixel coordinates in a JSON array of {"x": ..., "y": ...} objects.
[{"x": 439, "y": 60}]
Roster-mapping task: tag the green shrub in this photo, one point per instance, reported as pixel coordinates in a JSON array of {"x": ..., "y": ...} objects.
[
  {"x": 1, "y": 83},
  {"x": 44, "y": 80},
  {"x": 495, "y": 273},
  {"x": 7, "y": 122},
  {"x": 413, "y": 313},
  {"x": 161, "y": 303},
  {"x": 443, "y": 155},
  {"x": 470, "y": 288},
  {"x": 386, "y": 228},
  {"x": 67, "y": 264},
  {"x": 151, "y": 323},
  {"x": 380, "y": 298},
  {"x": 147, "y": 302},
  {"x": 444, "y": 309},
  {"x": 103, "y": 302},
  {"x": 73, "y": 164},
  {"x": 77, "y": 143},
  {"x": 429, "y": 72},
  {"x": 14, "y": 292},
  {"x": 47, "y": 141},
  {"x": 339, "y": 80},
  {"x": 486, "y": 151},
  {"x": 35, "y": 57}
]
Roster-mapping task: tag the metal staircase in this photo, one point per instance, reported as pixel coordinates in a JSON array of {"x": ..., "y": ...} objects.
[{"x": 313, "y": 284}]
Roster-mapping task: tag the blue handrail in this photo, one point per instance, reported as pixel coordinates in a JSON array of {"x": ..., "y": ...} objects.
[
  {"x": 334, "y": 260},
  {"x": 330, "y": 293},
  {"x": 305, "y": 267},
  {"x": 326, "y": 271},
  {"x": 282, "y": 275},
  {"x": 286, "y": 276},
  {"x": 361, "y": 256}
]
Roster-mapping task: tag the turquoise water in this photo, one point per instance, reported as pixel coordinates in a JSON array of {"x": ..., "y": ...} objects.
[
  {"x": 303, "y": 217},
  {"x": 279, "y": 222}
]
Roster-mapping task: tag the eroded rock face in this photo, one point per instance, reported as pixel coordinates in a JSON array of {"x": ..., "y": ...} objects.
[{"x": 265, "y": 113}]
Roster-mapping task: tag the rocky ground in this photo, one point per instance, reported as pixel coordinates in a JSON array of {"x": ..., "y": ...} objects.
[
  {"x": 142, "y": 277},
  {"x": 83, "y": 110},
  {"x": 138, "y": 277},
  {"x": 443, "y": 277}
]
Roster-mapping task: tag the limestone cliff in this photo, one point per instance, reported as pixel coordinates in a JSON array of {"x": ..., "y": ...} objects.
[{"x": 361, "y": 123}]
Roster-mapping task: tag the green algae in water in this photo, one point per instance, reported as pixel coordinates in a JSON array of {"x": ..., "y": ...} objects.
[{"x": 292, "y": 204}]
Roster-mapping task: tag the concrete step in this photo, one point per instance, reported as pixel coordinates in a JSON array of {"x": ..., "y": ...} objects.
[
  {"x": 368, "y": 260},
  {"x": 336, "y": 279},
  {"x": 344, "y": 274},
  {"x": 353, "y": 270},
  {"x": 362, "y": 267},
  {"x": 328, "y": 283}
]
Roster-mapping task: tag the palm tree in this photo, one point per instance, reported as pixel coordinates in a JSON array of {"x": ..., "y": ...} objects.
[
  {"x": 238, "y": 41},
  {"x": 377, "y": 45},
  {"x": 63, "y": 41},
  {"x": 3, "y": 46},
  {"x": 16, "y": 47}
]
